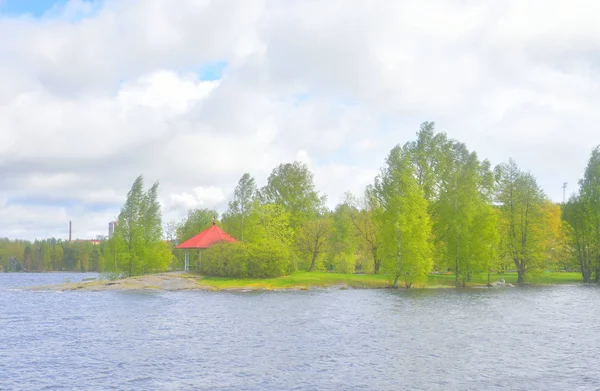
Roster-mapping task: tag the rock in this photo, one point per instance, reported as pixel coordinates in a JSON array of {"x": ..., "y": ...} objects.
[{"x": 501, "y": 283}]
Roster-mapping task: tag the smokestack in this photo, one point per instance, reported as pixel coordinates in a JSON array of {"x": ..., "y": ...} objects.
[{"x": 70, "y": 230}]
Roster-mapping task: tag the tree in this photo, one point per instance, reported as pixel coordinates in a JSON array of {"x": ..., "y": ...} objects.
[
  {"x": 270, "y": 223},
  {"x": 56, "y": 257},
  {"x": 458, "y": 188},
  {"x": 139, "y": 247},
  {"x": 96, "y": 259},
  {"x": 521, "y": 201},
  {"x": 291, "y": 186},
  {"x": 582, "y": 213},
  {"x": 129, "y": 231},
  {"x": 555, "y": 234},
  {"x": 581, "y": 234},
  {"x": 590, "y": 197},
  {"x": 463, "y": 212},
  {"x": 244, "y": 197},
  {"x": 196, "y": 221},
  {"x": 268, "y": 228},
  {"x": 27, "y": 257},
  {"x": 428, "y": 156},
  {"x": 314, "y": 238},
  {"x": 405, "y": 221},
  {"x": 344, "y": 241},
  {"x": 366, "y": 221}
]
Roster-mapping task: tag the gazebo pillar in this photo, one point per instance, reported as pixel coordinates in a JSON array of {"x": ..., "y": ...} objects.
[{"x": 186, "y": 260}]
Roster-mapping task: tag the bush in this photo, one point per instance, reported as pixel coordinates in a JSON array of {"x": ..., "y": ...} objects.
[
  {"x": 343, "y": 263},
  {"x": 224, "y": 260},
  {"x": 266, "y": 261},
  {"x": 241, "y": 260}
]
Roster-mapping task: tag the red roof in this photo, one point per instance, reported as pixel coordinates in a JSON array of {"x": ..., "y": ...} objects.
[{"x": 207, "y": 238}]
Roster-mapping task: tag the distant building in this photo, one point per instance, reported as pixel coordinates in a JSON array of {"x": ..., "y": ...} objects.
[
  {"x": 94, "y": 242},
  {"x": 111, "y": 229}
]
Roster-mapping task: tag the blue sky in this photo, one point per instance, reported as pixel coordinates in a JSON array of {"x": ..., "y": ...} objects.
[
  {"x": 39, "y": 8},
  {"x": 35, "y": 8},
  {"x": 213, "y": 70}
]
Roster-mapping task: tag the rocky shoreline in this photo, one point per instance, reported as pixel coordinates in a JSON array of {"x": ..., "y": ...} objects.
[
  {"x": 172, "y": 281},
  {"x": 183, "y": 281}
]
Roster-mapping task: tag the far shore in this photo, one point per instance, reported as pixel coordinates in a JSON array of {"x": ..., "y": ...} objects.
[{"x": 185, "y": 281}]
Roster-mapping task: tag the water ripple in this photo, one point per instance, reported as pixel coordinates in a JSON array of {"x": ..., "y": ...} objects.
[{"x": 531, "y": 338}]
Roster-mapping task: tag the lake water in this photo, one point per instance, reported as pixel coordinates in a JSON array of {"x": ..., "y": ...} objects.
[{"x": 545, "y": 338}]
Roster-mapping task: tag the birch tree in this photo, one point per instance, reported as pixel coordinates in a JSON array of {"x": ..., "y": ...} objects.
[
  {"x": 240, "y": 207},
  {"x": 521, "y": 201},
  {"x": 405, "y": 221},
  {"x": 291, "y": 186},
  {"x": 138, "y": 244}
]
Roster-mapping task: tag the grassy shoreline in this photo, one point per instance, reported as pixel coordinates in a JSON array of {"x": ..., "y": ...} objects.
[{"x": 178, "y": 281}]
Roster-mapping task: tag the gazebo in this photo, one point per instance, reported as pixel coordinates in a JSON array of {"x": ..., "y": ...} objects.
[{"x": 203, "y": 240}]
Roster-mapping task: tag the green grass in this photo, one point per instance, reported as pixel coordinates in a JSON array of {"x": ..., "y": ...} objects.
[
  {"x": 544, "y": 278},
  {"x": 306, "y": 280},
  {"x": 300, "y": 280}
]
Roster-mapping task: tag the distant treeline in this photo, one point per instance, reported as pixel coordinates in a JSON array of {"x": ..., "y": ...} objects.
[
  {"x": 50, "y": 255},
  {"x": 435, "y": 206}
]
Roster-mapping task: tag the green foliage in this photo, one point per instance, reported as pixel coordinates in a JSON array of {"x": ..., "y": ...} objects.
[
  {"x": 240, "y": 208},
  {"x": 428, "y": 155},
  {"x": 265, "y": 252},
  {"x": 49, "y": 255},
  {"x": 265, "y": 260},
  {"x": 342, "y": 255},
  {"x": 405, "y": 221},
  {"x": 291, "y": 186},
  {"x": 521, "y": 218},
  {"x": 270, "y": 223},
  {"x": 242, "y": 260},
  {"x": 269, "y": 226},
  {"x": 196, "y": 221},
  {"x": 366, "y": 219},
  {"x": 313, "y": 240},
  {"x": 225, "y": 260},
  {"x": 464, "y": 223},
  {"x": 137, "y": 244},
  {"x": 582, "y": 214}
]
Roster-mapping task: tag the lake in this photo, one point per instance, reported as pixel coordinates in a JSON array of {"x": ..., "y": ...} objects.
[{"x": 536, "y": 338}]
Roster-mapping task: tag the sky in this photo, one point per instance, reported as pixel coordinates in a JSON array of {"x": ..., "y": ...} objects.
[{"x": 194, "y": 93}]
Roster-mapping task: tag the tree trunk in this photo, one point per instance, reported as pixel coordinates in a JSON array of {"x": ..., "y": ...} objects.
[
  {"x": 456, "y": 276},
  {"x": 396, "y": 280},
  {"x": 376, "y": 264},
  {"x": 521, "y": 276},
  {"x": 313, "y": 262},
  {"x": 587, "y": 276}
]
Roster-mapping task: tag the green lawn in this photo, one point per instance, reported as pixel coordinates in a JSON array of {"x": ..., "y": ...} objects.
[
  {"x": 301, "y": 280},
  {"x": 305, "y": 280},
  {"x": 543, "y": 278}
]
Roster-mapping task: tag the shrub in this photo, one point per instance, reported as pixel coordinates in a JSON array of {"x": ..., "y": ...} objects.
[
  {"x": 267, "y": 261},
  {"x": 241, "y": 260},
  {"x": 224, "y": 260},
  {"x": 343, "y": 263}
]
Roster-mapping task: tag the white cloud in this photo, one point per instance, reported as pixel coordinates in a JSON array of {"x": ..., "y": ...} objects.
[{"x": 95, "y": 94}]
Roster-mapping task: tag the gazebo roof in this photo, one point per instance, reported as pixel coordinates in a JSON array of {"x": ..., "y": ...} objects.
[{"x": 207, "y": 238}]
